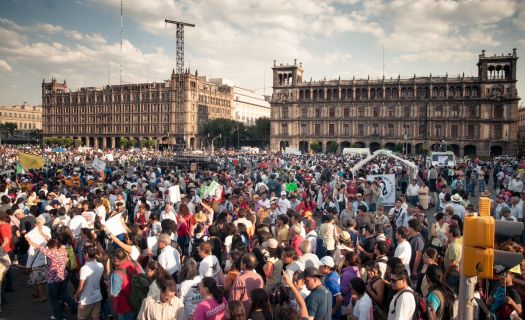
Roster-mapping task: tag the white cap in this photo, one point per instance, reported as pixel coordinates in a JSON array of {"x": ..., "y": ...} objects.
[{"x": 327, "y": 261}]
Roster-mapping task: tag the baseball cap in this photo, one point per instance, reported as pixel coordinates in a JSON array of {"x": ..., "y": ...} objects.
[
  {"x": 283, "y": 193},
  {"x": 272, "y": 243},
  {"x": 327, "y": 261}
]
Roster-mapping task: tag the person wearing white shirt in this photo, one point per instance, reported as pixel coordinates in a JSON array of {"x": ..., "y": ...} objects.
[
  {"x": 283, "y": 203},
  {"x": 403, "y": 303},
  {"x": 168, "y": 213},
  {"x": 516, "y": 186},
  {"x": 88, "y": 293},
  {"x": 169, "y": 257},
  {"x": 209, "y": 266},
  {"x": 77, "y": 222},
  {"x": 100, "y": 211},
  {"x": 242, "y": 219},
  {"x": 413, "y": 192},
  {"x": 363, "y": 308},
  {"x": 516, "y": 208},
  {"x": 264, "y": 201},
  {"x": 403, "y": 249}
]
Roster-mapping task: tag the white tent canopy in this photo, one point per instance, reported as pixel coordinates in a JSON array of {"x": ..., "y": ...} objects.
[{"x": 384, "y": 152}]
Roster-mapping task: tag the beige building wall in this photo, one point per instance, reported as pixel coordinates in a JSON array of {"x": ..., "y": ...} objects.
[{"x": 26, "y": 117}]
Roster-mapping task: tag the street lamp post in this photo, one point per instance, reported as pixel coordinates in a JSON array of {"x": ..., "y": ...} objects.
[{"x": 212, "y": 147}]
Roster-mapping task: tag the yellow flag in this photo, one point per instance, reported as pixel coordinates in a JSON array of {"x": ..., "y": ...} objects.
[{"x": 29, "y": 161}]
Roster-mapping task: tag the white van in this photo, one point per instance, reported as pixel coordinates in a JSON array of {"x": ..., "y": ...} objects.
[{"x": 442, "y": 159}]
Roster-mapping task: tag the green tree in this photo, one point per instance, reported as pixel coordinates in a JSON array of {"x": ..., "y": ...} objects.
[
  {"x": 133, "y": 142},
  {"x": 77, "y": 142},
  {"x": 398, "y": 148},
  {"x": 7, "y": 129},
  {"x": 68, "y": 142},
  {"x": 60, "y": 141},
  {"x": 48, "y": 141},
  {"x": 144, "y": 143},
  {"x": 124, "y": 143},
  {"x": 316, "y": 146},
  {"x": 153, "y": 143},
  {"x": 227, "y": 128},
  {"x": 332, "y": 146}
]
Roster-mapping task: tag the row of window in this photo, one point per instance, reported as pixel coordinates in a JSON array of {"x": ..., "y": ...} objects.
[
  {"x": 388, "y": 93},
  {"x": 19, "y": 115},
  {"x": 116, "y": 129},
  {"x": 436, "y": 130},
  {"x": 407, "y": 111}
]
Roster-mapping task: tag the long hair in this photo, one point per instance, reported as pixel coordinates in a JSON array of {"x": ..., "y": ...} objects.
[
  {"x": 217, "y": 292},
  {"x": 434, "y": 277},
  {"x": 236, "y": 310},
  {"x": 260, "y": 301}
]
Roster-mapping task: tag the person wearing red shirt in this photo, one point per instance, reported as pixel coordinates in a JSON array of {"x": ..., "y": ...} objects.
[
  {"x": 186, "y": 222},
  {"x": 6, "y": 234},
  {"x": 306, "y": 205},
  {"x": 296, "y": 238}
]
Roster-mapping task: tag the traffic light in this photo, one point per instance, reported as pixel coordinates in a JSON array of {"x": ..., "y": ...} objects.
[{"x": 479, "y": 256}]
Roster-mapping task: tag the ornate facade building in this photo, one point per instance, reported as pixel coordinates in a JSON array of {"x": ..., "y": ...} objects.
[
  {"x": 100, "y": 117},
  {"x": 474, "y": 115},
  {"x": 521, "y": 130},
  {"x": 27, "y": 118}
]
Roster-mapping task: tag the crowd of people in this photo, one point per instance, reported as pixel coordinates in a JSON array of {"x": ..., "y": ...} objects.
[{"x": 261, "y": 236}]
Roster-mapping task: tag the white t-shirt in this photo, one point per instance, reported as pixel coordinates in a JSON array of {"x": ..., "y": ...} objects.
[
  {"x": 190, "y": 295},
  {"x": 363, "y": 309},
  {"x": 210, "y": 267},
  {"x": 404, "y": 308},
  {"x": 404, "y": 252},
  {"x": 101, "y": 213},
  {"x": 91, "y": 272},
  {"x": 76, "y": 223},
  {"x": 36, "y": 258},
  {"x": 169, "y": 259}
]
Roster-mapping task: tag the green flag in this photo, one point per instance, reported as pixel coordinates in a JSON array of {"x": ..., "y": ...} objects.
[{"x": 19, "y": 169}]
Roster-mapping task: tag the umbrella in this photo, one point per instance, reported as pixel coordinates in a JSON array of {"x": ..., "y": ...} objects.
[{"x": 61, "y": 150}]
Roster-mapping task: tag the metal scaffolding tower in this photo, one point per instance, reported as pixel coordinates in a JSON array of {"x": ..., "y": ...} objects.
[{"x": 179, "y": 110}]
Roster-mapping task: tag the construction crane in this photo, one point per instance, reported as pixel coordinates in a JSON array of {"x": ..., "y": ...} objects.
[{"x": 179, "y": 109}]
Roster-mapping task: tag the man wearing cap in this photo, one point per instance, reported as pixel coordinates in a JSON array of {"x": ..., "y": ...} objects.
[
  {"x": 318, "y": 302},
  {"x": 283, "y": 203},
  {"x": 358, "y": 202},
  {"x": 331, "y": 282}
]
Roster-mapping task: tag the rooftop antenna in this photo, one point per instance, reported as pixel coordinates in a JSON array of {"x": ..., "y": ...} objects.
[
  {"x": 383, "y": 60},
  {"x": 109, "y": 76},
  {"x": 121, "y": 34},
  {"x": 264, "y": 83}
]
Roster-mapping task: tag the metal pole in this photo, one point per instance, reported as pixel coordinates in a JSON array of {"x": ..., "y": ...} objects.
[{"x": 465, "y": 297}]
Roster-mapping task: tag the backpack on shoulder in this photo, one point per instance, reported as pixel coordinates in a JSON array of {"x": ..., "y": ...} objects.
[
  {"x": 320, "y": 248},
  {"x": 420, "y": 313},
  {"x": 139, "y": 290}
]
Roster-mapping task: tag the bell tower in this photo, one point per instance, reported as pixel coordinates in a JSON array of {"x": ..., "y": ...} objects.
[{"x": 287, "y": 75}]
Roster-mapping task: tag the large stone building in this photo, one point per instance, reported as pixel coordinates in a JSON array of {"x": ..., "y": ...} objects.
[
  {"x": 473, "y": 114},
  {"x": 248, "y": 105},
  {"x": 27, "y": 118},
  {"x": 521, "y": 130},
  {"x": 102, "y": 116}
]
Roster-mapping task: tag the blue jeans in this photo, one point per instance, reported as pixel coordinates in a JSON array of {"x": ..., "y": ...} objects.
[
  {"x": 413, "y": 200},
  {"x": 128, "y": 316},
  {"x": 57, "y": 295}
]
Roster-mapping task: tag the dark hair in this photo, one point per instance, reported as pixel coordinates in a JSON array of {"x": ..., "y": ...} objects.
[
  {"x": 260, "y": 301},
  {"x": 290, "y": 252},
  {"x": 454, "y": 231},
  {"x": 90, "y": 251},
  {"x": 382, "y": 247},
  {"x": 217, "y": 292},
  {"x": 362, "y": 207},
  {"x": 236, "y": 310},
  {"x": 400, "y": 271},
  {"x": 53, "y": 244},
  {"x": 434, "y": 276},
  {"x": 353, "y": 259},
  {"x": 414, "y": 224},
  {"x": 402, "y": 232},
  {"x": 236, "y": 257},
  {"x": 379, "y": 228},
  {"x": 358, "y": 285},
  {"x": 249, "y": 260},
  {"x": 283, "y": 218},
  {"x": 439, "y": 216},
  {"x": 167, "y": 284}
]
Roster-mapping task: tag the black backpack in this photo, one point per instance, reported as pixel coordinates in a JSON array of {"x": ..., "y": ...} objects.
[
  {"x": 195, "y": 248},
  {"x": 420, "y": 313}
]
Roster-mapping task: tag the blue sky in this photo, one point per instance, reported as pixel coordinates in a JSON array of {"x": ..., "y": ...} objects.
[{"x": 78, "y": 40}]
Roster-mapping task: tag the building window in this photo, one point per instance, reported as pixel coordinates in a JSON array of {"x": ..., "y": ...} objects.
[
  {"x": 406, "y": 131},
  {"x": 331, "y": 129},
  {"x": 454, "y": 131},
  {"x": 375, "y": 129},
  {"x": 421, "y": 129},
  {"x": 284, "y": 129},
  {"x": 304, "y": 112},
  {"x": 331, "y": 112},
  {"x": 438, "y": 111},
  {"x": 284, "y": 113},
  {"x": 438, "y": 131},
  {"x": 391, "y": 111},
  {"x": 303, "y": 129},
  {"x": 360, "y": 129},
  {"x": 471, "y": 131},
  {"x": 346, "y": 129},
  {"x": 390, "y": 129},
  {"x": 498, "y": 131},
  {"x": 376, "y": 112},
  {"x": 346, "y": 112},
  {"x": 499, "y": 111},
  {"x": 318, "y": 113},
  {"x": 317, "y": 129},
  {"x": 361, "y": 112},
  {"x": 454, "y": 111},
  {"x": 472, "y": 111}
]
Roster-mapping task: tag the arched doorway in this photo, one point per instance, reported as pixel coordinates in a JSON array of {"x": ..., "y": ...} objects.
[
  {"x": 83, "y": 140},
  {"x": 100, "y": 142},
  {"x": 390, "y": 146},
  {"x": 108, "y": 142},
  {"x": 331, "y": 146},
  {"x": 374, "y": 146},
  {"x": 469, "y": 150},
  {"x": 408, "y": 149},
  {"x": 117, "y": 142},
  {"x": 454, "y": 148},
  {"x": 496, "y": 151},
  {"x": 192, "y": 143},
  {"x": 283, "y": 145},
  {"x": 303, "y": 146},
  {"x": 360, "y": 144},
  {"x": 92, "y": 142},
  {"x": 419, "y": 148},
  {"x": 345, "y": 144}
]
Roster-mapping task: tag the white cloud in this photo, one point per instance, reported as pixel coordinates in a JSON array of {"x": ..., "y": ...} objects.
[
  {"x": 95, "y": 38},
  {"x": 75, "y": 35},
  {"x": 48, "y": 28},
  {"x": 5, "y": 66}
]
